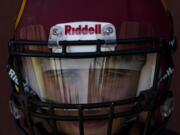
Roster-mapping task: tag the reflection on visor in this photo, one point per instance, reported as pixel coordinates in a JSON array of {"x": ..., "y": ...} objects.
[{"x": 88, "y": 80}]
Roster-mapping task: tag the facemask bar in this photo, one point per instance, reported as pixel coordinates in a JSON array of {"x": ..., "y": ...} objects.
[
  {"x": 80, "y": 107},
  {"x": 98, "y": 44}
]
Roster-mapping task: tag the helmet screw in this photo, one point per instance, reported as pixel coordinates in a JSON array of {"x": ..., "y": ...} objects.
[
  {"x": 55, "y": 31},
  {"x": 108, "y": 31}
]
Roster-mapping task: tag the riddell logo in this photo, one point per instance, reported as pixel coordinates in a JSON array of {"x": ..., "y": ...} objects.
[{"x": 69, "y": 30}]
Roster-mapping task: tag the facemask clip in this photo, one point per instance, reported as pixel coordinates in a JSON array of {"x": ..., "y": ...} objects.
[
  {"x": 14, "y": 110},
  {"x": 167, "y": 107}
]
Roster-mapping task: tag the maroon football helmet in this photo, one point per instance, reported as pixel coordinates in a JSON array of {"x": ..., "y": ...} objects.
[{"x": 91, "y": 67}]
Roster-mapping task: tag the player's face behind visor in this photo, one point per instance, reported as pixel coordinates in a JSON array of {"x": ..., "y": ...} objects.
[{"x": 84, "y": 81}]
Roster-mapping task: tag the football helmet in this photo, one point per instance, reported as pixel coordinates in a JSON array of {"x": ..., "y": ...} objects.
[{"x": 91, "y": 68}]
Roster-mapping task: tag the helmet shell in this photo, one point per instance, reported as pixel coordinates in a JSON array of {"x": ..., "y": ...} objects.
[{"x": 48, "y": 13}]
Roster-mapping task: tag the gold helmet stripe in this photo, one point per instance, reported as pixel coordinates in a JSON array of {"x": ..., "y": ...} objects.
[
  {"x": 20, "y": 14},
  {"x": 164, "y": 5}
]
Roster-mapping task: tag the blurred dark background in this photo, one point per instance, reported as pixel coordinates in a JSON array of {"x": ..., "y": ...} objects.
[{"x": 8, "y": 12}]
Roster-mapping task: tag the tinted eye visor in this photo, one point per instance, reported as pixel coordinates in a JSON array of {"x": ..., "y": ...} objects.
[{"x": 124, "y": 48}]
